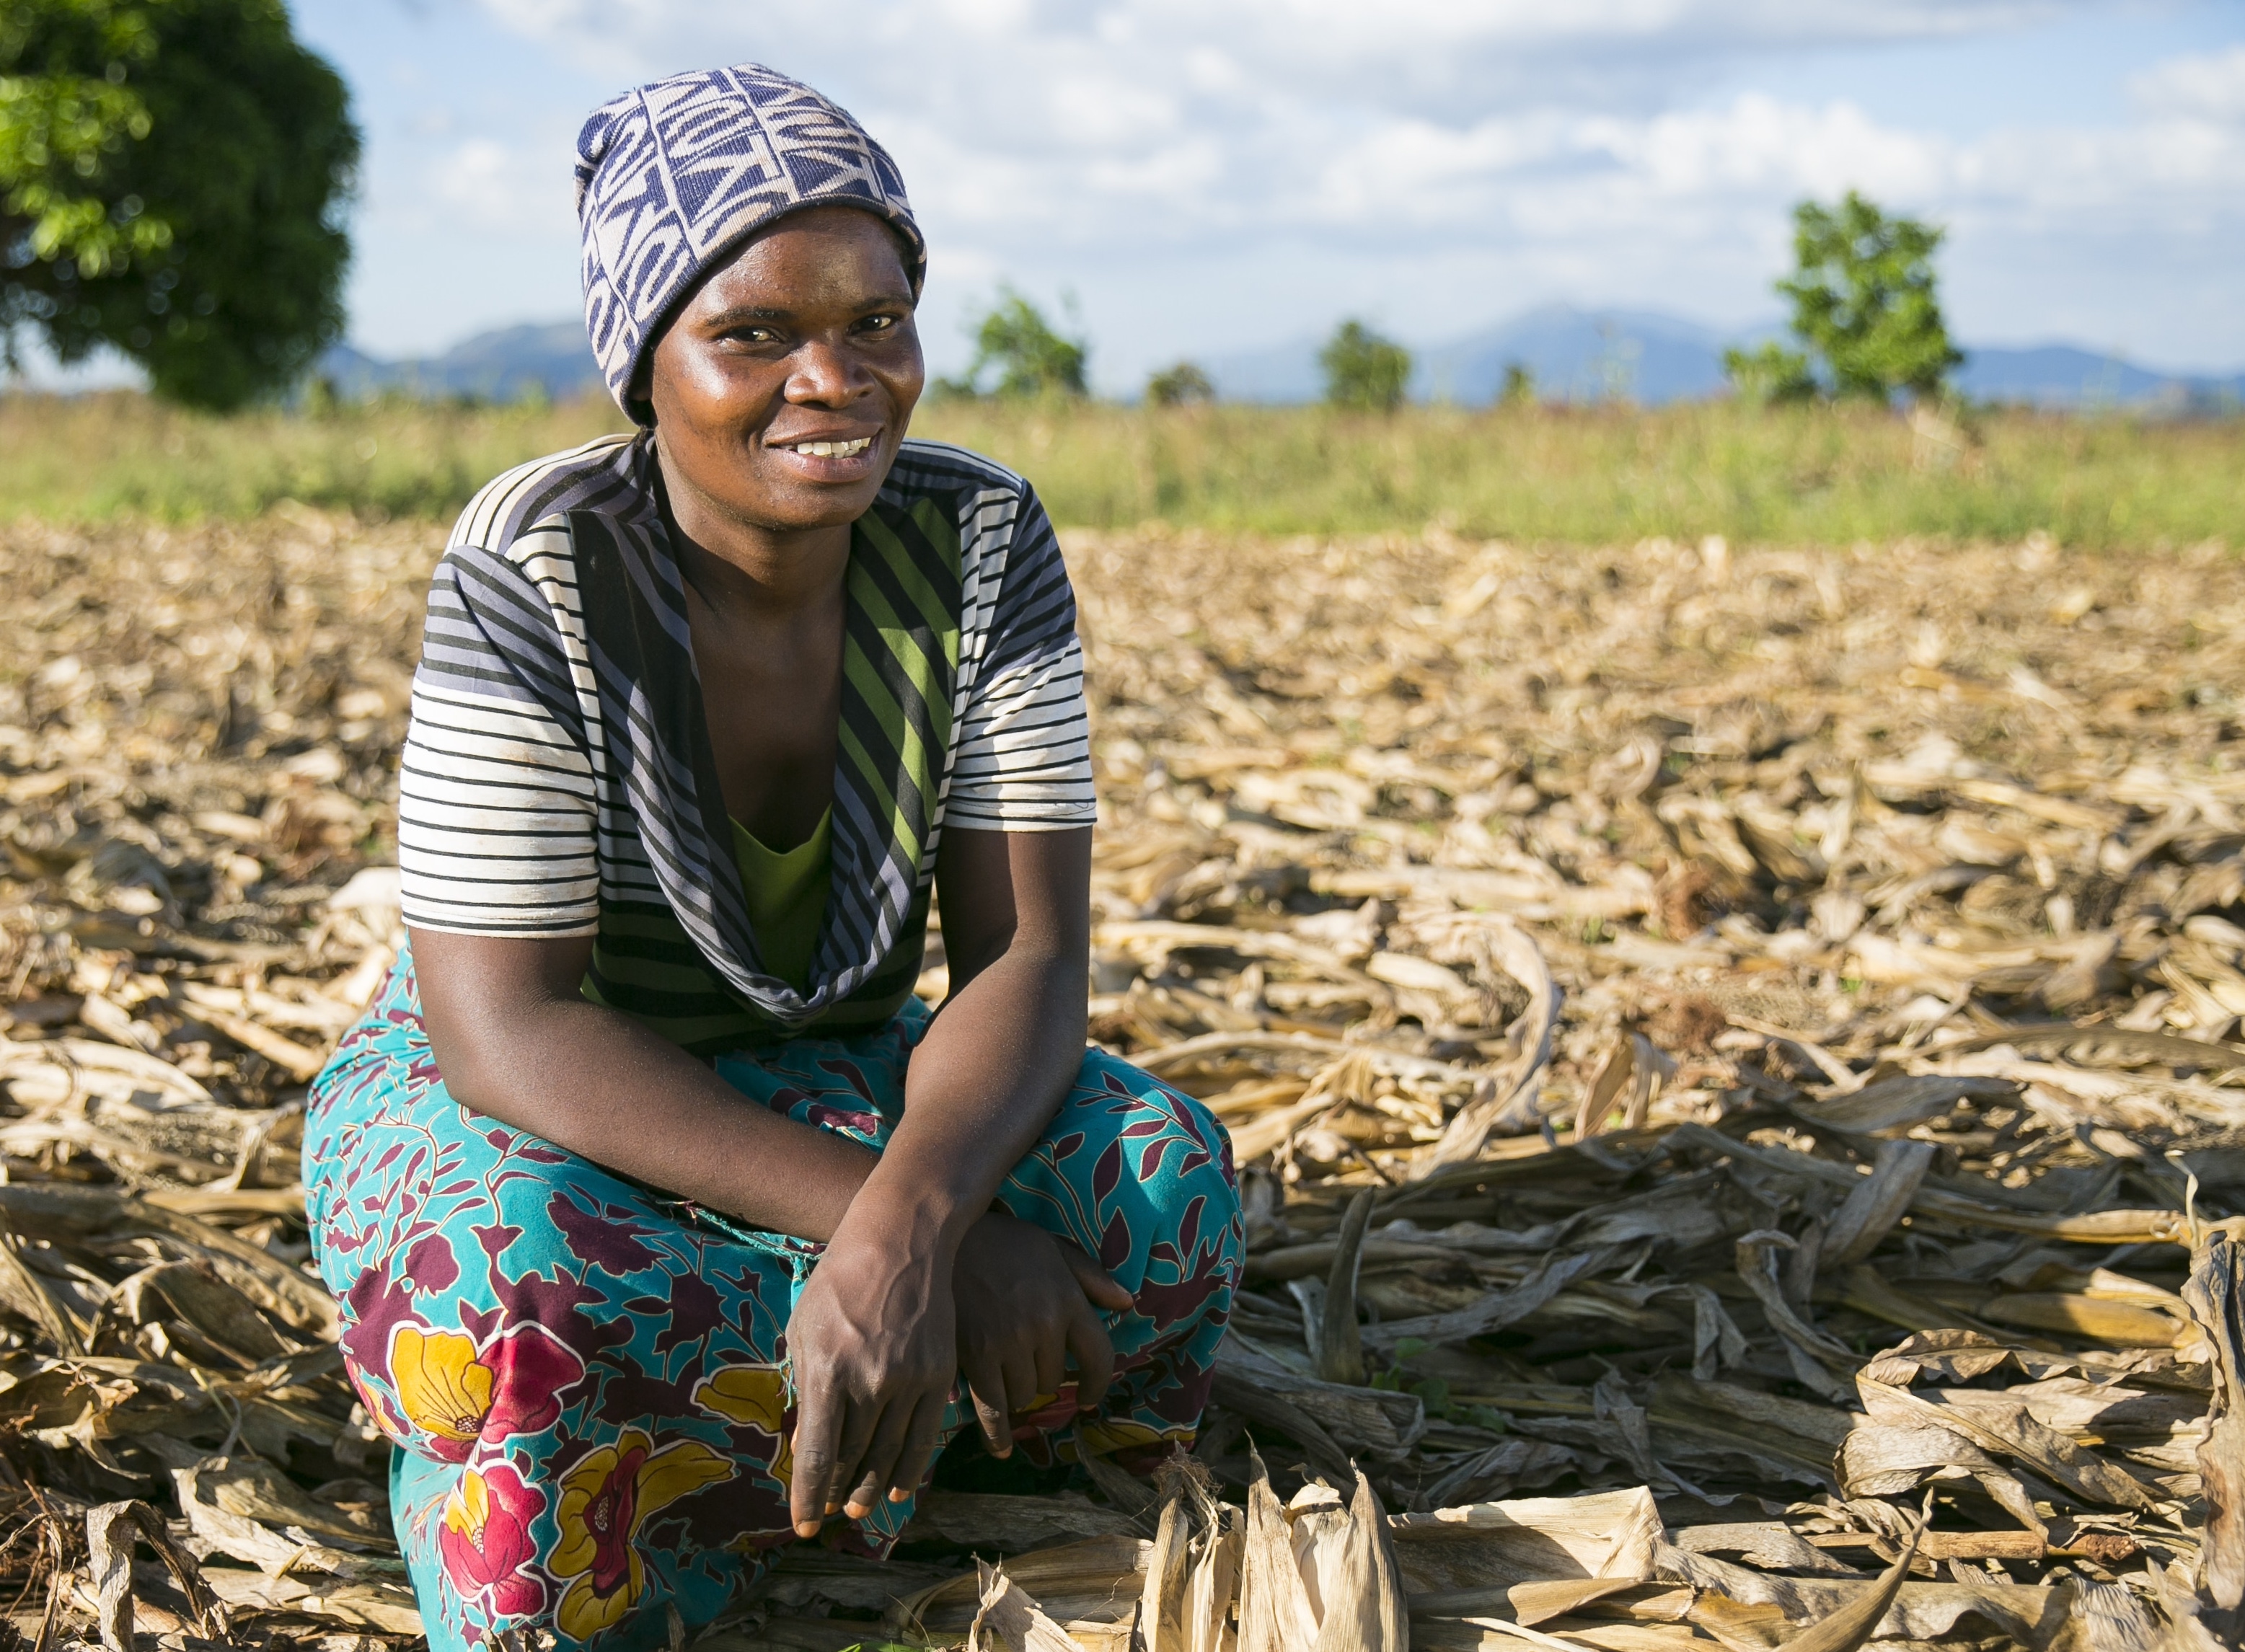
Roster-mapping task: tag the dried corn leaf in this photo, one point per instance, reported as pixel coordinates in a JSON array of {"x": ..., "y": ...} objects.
[
  {"x": 2216, "y": 1294},
  {"x": 1594, "y": 912},
  {"x": 1009, "y": 1620}
]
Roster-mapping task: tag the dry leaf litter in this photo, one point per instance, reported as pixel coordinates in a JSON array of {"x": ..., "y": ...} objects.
[{"x": 1730, "y": 1054}]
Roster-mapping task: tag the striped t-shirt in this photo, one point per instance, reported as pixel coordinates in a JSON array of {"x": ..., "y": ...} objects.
[{"x": 559, "y": 777}]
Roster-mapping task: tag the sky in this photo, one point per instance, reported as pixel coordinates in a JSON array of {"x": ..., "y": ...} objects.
[{"x": 1200, "y": 178}]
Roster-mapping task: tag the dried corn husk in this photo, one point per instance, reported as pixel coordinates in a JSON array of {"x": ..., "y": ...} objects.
[{"x": 1780, "y": 1050}]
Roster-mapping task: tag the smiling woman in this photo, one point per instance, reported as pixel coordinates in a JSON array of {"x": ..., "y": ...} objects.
[{"x": 666, "y": 1223}]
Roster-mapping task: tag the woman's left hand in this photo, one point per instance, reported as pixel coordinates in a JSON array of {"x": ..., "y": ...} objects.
[
  {"x": 1025, "y": 1302},
  {"x": 868, "y": 1346}
]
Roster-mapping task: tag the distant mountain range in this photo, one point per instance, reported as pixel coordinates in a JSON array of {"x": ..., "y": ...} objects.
[
  {"x": 552, "y": 360},
  {"x": 1578, "y": 355},
  {"x": 1574, "y": 354},
  {"x": 1586, "y": 355}
]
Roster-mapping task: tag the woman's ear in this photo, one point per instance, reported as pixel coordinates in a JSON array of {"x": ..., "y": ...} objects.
[
  {"x": 639, "y": 397},
  {"x": 908, "y": 257}
]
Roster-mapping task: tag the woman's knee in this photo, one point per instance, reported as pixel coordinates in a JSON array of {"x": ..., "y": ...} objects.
[
  {"x": 1140, "y": 1176},
  {"x": 485, "y": 1277},
  {"x": 1170, "y": 1142},
  {"x": 452, "y": 1345}
]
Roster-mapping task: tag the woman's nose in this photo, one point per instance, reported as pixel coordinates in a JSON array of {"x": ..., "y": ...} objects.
[{"x": 827, "y": 371}]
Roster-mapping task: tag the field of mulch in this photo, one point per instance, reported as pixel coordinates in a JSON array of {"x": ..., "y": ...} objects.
[{"x": 1730, "y": 1054}]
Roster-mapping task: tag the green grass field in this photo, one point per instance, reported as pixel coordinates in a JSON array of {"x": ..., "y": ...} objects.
[{"x": 1581, "y": 475}]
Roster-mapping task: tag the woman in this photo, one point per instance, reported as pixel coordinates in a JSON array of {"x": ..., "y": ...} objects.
[{"x": 666, "y": 1221}]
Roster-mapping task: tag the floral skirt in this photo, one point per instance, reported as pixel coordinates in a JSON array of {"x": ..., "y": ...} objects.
[{"x": 587, "y": 1379}]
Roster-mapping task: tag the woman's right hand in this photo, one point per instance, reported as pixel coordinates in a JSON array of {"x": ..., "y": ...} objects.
[
  {"x": 872, "y": 1346},
  {"x": 1027, "y": 1305}
]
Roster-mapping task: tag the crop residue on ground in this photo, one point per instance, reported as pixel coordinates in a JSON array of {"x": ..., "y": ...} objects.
[{"x": 1730, "y": 1054}]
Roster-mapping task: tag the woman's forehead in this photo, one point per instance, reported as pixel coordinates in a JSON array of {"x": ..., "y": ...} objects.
[{"x": 822, "y": 252}]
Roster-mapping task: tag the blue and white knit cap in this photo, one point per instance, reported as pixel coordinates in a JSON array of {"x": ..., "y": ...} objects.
[{"x": 672, "y": 176}]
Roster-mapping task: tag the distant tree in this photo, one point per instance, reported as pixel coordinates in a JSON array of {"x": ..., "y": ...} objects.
[
  {"x": 1175, "y": 386},
  {"x": 1863, "y": 300},
  {"x": 1519, "y": 389},
  {"x": 322, "y": 398},
  {"x": 172, "y": 174},
  {"x": 1770, "y": 374},
  {"x": 1031, "y": 358},
  {"x": 1616, "y": 366},
  {"x": 1363, "y": 370}
]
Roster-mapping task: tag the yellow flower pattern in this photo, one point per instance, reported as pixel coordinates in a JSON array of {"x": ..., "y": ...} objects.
[
  {"x": 604, "y": 1501},
  {"x": 467, "y": 1511},
  {"x": 485, "y": 1539},
  {"x": 440, "y": 1387},
  {"x": 1104, "y": 1436},
  {"x": 756, "y": 1395}
]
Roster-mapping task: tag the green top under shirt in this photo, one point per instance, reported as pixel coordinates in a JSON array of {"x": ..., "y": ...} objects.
[{"x": 787, "y": 897}]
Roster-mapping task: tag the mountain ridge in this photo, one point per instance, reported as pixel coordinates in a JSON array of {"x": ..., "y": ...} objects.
[{"x": 1574, "y": 354}]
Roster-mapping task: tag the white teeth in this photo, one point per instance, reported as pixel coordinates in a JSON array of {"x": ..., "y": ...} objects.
[{"x": 834, "y": 450}]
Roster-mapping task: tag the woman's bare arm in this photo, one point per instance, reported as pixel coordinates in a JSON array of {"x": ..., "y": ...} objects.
[
  {"x": 991, "y": 1072},
  {"x": 517, "y": 1041},
  {"x": 920, "y": 1271}
]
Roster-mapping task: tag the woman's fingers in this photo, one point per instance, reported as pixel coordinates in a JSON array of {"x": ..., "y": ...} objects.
[
  {"x": 876, "y": 1469},
  {"x": 1051, "y": 1362},
  {"x": 817, "y": 1423},
  {"x": 925, "y": 1438},
  {"x": 986, "y": 1386},
  {"x": 1102, "y": 1287},
  {"x": 833, "y": 1430},
  {"x": 1094, "y": 1359},
  {"x": 860, "y": 1425},
  {"x": 1019, "y": 1384}
]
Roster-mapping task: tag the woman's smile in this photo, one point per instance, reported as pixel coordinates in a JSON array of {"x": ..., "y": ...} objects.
[{"x": 833, "y": 457}]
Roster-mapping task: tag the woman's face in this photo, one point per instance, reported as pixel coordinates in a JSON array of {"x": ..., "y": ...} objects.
[{"x": 782, "y": 386}]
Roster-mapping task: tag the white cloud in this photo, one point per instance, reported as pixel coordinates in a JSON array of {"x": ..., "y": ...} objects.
[
  {"x": 1093, "y": 123},
  {"x": 502, "y": 187},
  {"x": 1758, "y": 145},
  {"x": 1098, "y": 110},
  {"x": 1394, "y": 55},
  {"x": 2211, "y": 86}
]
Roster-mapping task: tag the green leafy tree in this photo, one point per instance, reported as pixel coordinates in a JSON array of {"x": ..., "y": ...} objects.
[
  {"x": 1031, "y": 358},
  {"x": 1864, "y": 299},
  {"x": 172, "y": 175},
  {"x": 1519, "y": 389},
  {"x": 1363, "y": 371},
  {"x": 1177, "y": 386},
  {"x": 1769, "y": 375}
]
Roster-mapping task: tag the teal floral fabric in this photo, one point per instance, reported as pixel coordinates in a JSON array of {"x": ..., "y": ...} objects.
[{"x": 586, "y": 1380}]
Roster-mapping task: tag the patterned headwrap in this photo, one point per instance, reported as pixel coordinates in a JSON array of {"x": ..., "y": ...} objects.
[{"x": 671, "y": 177}]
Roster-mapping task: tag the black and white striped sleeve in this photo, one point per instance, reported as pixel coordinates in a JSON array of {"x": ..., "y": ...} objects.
[
  {"x": 497, "y": 806},
  {"x": 1023, "y": 762}
]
